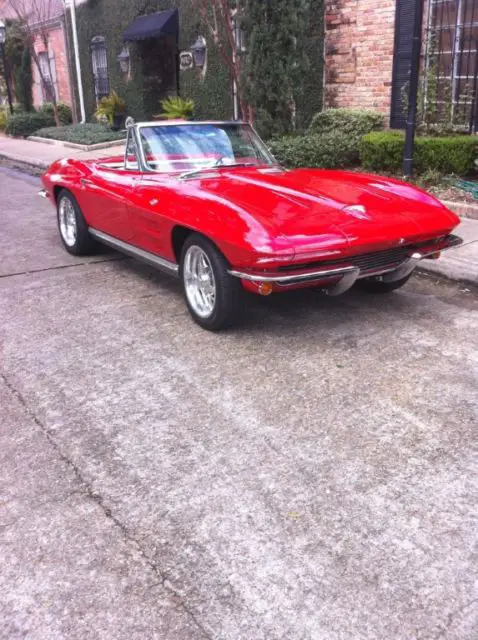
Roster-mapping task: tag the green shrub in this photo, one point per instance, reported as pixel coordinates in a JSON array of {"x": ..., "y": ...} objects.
[
  {"x": 88, "y": 133},
  {"x": 455, "y": 154},
  {"x": 64, "y": 111},
  {"x": 3, "y": 119},
  {"x": 431, "y": 178},
  {"x": 383, "y": 151},
  {"x": 353, "y": 122},
  {"x": 26, "y": 124},
  {"x": 333, "y": 149},
  {"x": 24, "y": 81}
]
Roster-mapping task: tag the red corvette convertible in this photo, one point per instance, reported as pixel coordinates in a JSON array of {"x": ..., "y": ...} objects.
[{"x": 207, "y": 202}]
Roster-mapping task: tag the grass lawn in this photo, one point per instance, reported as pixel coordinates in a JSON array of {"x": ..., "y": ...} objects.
[{"x": 88, "y": 133}]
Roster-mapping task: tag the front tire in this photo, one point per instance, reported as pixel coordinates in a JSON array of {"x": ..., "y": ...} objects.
[
  {"x": 380, "y": 286},
  {"x": 72, "y": 225},
  {"x": 213, "y": 297}
]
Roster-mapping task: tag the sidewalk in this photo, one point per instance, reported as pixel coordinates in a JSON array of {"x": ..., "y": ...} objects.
[
  {"x": 460, "y": 263},
  {"x": 41, "y": 155},
  {"x": 457, "y": 264}
]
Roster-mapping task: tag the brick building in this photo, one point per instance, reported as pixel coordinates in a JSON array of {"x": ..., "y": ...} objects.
[
  {"x": 45, "y": 16},
  {"x": 59, "y": 80},
  {"x": 359, "y": 38},
  {"x": 368, "y": 52}
]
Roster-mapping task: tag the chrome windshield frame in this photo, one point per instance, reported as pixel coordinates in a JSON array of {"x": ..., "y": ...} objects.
[{"x": 220, "y": 123}]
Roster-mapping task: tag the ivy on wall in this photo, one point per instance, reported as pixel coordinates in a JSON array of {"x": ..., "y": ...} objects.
[{"x": 212, "y": 93}]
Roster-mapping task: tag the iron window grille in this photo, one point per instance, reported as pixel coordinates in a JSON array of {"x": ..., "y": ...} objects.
[
  {"x": 450, "y": 66},
  {"x": 99, "y": 62}
]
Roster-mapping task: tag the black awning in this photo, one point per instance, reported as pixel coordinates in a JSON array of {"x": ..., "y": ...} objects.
[{"x": 164, "y": 23}]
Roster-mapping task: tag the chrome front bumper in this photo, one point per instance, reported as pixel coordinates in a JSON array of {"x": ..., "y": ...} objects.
[{"x": 348, "y": 273}]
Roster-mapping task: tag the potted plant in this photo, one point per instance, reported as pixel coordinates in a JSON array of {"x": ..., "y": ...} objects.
[{"x": 113, "y": 108}]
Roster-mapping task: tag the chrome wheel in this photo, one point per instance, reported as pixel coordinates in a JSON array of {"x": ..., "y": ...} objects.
[
  {"x": 67, "y": 221},
  {"x": 199, "y": 281}
]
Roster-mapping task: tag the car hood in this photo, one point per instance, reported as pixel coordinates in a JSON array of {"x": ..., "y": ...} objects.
[{"x": 321, "y": 208}]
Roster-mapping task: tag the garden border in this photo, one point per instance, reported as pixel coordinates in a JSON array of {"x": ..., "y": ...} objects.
[{"x": 79, "y": 147}]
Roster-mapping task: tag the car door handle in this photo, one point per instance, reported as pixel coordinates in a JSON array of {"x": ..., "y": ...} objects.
[{"x": 153, "y": 202}]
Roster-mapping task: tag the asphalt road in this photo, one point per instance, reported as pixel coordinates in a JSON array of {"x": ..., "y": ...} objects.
[{"x": 312, "y": 474}]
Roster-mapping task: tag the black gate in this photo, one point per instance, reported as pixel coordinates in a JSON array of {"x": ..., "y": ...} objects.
[{"x": 448, "y": 84}]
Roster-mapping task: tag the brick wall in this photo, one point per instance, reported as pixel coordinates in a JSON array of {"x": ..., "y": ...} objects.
[
  {"x": 359, "y": 37},
  {"x": 59, "y": 63}
]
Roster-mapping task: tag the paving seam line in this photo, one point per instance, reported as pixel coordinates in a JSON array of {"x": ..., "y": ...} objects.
[{"x": 98, "y": 499}]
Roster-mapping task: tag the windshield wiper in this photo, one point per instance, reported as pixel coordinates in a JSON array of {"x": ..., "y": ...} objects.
[{"x": 216, "y": 164}]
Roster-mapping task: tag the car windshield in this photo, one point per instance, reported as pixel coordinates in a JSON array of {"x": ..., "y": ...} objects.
[{"x": 192, "y": 147}]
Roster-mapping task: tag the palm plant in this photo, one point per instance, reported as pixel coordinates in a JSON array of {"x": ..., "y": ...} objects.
[
  {"x": 175, "y": 108},
  {"x": 110, "y": 107}
]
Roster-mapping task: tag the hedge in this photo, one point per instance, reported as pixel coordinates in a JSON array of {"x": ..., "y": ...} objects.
[
  {"x": 334, "y": 149},
  {"x": 383, "y": 151},
  {"x": 354, "y": 122},
  {"x": 88, "y": 133},
  {"x": 26, "y": 124}
]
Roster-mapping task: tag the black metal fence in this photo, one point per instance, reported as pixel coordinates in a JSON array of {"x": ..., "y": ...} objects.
[{"x": 450, "y": 69}]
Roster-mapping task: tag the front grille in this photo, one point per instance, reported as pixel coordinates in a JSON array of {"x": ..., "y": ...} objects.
[
  {"x": 380, "y": 259},
  {"x": 375, "y": 261}
]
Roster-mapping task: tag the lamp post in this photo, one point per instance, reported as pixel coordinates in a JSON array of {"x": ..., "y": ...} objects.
[
  {"x": 3, "y": 35},
  {"x": 124, "y": 59},
  {"x": 413, "y": 89}
]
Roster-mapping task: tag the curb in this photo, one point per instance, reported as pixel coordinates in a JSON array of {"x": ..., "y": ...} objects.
[
  {"x": 461, "y": 263},
  {"x": 457, "y": 271},
  {"x": 27, "y": 163},
  {"x": 463, "y": 209}
]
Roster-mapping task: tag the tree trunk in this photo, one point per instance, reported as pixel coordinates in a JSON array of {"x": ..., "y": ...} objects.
[
  {"x": 212, "y": 11},
  {"x": 42, "y": 77}
]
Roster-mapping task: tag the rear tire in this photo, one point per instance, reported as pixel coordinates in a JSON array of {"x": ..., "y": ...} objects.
[
  {"x": 379, "y": 286},
  {"x": 214, "y": 298},
  {"x": 72, "y": 225}
]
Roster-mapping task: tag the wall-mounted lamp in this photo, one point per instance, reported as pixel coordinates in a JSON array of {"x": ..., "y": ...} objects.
[
  {"x": 124, "y": 59},
  {"x": 198, "y": 49}
]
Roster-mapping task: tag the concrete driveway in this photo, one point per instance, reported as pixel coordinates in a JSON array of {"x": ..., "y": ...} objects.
[{"x": 310, "y": 475}]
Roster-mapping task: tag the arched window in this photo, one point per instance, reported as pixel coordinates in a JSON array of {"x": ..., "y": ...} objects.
[
  {"x": 99, "y": 62},
  {"x": 47, "y": 77}
]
